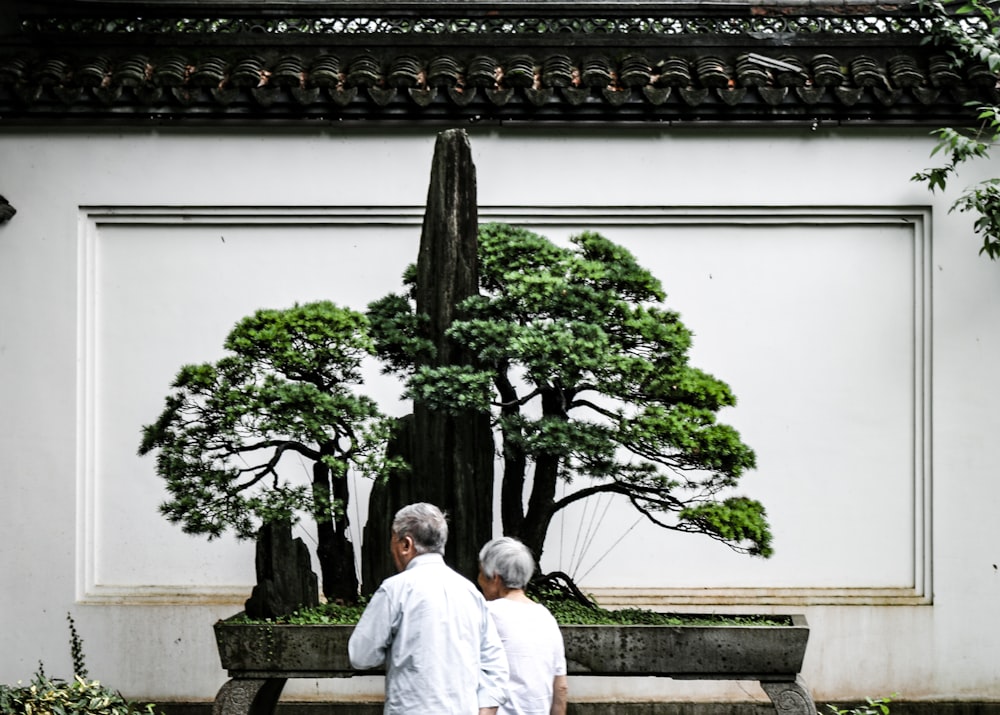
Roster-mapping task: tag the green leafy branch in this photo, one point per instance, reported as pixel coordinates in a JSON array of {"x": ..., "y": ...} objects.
[
  {"x": 969, "y": 32},
  {"x": 234, "y": 435},
  {"x": 584, "y": 372}
]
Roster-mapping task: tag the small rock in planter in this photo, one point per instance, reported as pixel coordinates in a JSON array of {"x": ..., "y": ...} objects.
[{"x": 285, "y": 579}]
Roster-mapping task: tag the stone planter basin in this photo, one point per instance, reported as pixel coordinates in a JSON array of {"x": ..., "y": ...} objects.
[
  {"x": 731, "y": 652},
  {"x": 722, "y": 652},
  {"x": 288, "y": 651},
  {"x": 261, "y": 657}
]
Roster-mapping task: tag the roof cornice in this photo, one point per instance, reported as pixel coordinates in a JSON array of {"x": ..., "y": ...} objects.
[{"x": 581, "y": 62}]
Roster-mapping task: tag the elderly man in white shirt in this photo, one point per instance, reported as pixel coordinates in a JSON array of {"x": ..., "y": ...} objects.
[{"x": 430, "y": 627}]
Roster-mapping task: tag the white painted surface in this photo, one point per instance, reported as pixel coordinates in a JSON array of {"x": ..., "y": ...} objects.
[{"x": 848, "y": 310}]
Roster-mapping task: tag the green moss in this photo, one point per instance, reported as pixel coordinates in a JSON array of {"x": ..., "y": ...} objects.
[
  {"x": 323, "y": 614},
  {"x": 566, "y": 612},
  {"x": 570, "y": 613}
]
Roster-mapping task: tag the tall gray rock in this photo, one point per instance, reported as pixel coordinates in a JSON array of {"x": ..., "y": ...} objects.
[{"x": 451, "y": 455}]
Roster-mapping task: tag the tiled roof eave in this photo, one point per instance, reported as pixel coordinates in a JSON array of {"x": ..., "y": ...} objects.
[
  {"x": 358, "y": 87},
  {"x": 772, "y": 76}
]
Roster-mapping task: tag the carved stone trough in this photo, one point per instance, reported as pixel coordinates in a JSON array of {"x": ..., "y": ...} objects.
[{"x": 261, "y": 658}]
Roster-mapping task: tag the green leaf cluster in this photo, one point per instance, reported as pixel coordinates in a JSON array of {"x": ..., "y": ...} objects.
[
  {"x": 969, "y": 31},
  {"x": 585, "y": 372},
  {"x": 733, "y": 520},
  {"x": 234, "y": 435},
  {"x": 79, "y": 696},
  {"x": 398, "y": 333},
  {"x": 872, "y": 706}
]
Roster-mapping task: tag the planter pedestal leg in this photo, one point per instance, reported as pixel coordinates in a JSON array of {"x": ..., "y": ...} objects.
[
  {"x": 789, "y": 697},
  {"x": 250, "y": 696}
]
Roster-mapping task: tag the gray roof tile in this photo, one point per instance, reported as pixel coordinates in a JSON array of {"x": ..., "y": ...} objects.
[{"x": 800, "y": 61}]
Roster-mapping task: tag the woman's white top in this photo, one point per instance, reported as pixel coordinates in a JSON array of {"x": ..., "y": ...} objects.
[{"x": 535, "y": 654}]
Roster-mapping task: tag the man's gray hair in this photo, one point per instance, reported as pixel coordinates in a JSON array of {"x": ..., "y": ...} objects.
[
  {"x": 425, "y": 524},
  {"x": 508, "y": 558}
]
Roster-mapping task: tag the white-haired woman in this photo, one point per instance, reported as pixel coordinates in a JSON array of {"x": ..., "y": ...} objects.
[{"x": 530, "y": 634}]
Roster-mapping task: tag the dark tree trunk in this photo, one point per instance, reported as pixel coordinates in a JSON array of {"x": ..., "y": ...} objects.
[
  {"x": 541, "y": 506},
  {"x": 515, "y": 464},
  {"x": 333, "y": 549},
  {"x": 541, "y": 502},
  {"x": 386, "y": 498}
]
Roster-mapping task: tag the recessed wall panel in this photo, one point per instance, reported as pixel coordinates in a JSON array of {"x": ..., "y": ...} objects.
[{"x": 818, "y": 318}]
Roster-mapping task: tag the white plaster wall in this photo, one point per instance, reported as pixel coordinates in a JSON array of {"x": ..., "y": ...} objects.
[{"x": 862, "y": 358}]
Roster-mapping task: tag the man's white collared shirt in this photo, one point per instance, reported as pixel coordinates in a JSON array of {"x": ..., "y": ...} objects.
[{"x": 431, "y": 629}]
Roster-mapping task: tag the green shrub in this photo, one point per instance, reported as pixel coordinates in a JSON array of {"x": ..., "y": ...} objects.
[
  {"x": 872, "y": 706},
  {"x": 79, "y": 696},
  {"x": 51, "y": 696}
]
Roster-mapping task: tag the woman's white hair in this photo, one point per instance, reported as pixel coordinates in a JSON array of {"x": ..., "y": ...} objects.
[
  {"x": 425, "y": 524},
  {"x": 508, "y": 558}
]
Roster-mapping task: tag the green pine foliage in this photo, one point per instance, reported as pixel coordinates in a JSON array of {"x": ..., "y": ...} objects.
[{"x": 586, "y": 374}]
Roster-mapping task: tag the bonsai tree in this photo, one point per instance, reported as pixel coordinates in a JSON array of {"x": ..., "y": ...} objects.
[
  {"x": 585, "y": 374},
  {"x": 567, "y": 353},
  {"x": 231, "y": 438}
]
